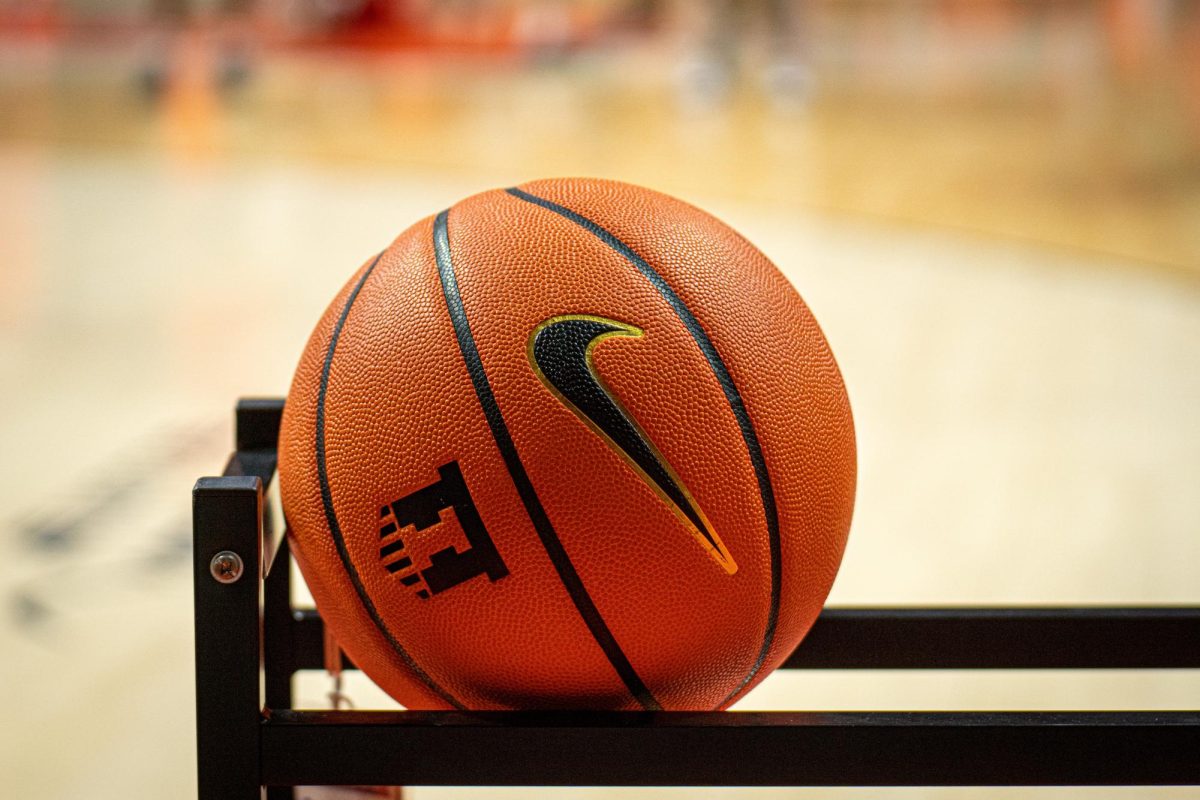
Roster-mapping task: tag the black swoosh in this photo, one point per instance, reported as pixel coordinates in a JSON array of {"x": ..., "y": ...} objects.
[
  {"x": 732, "y": 396},
  {"x": 520, "y": 478},
  {"x": 560, "y": 350}
]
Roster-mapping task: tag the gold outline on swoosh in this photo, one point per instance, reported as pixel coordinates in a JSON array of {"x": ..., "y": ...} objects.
[{"x": 720, "y": 553}]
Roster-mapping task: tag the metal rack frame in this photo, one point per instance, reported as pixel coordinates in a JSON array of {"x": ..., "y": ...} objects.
[{"x": 250, "y": 642}]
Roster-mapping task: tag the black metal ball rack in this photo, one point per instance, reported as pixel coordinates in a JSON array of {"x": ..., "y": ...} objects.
[{"x": 250, "y": 641}]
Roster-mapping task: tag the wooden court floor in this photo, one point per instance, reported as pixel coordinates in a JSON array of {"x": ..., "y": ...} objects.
[{"x": 1021, "y": 357}]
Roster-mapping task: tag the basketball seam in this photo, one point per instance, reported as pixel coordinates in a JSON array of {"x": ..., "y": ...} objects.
[
  {"x": 734, "y": 398},
  {"x": 516, "y": 469},
  {"x": 335, "y": 529}
]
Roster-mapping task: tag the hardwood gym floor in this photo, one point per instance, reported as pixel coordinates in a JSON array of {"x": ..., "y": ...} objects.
[{"x": 1011, "y": 284}]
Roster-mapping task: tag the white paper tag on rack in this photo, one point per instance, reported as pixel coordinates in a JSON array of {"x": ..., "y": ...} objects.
[
  {"x": 333, "y": 665},
  {"x": 349, "y": 792}
]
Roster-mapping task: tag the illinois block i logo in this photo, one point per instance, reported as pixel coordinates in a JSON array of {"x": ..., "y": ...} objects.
[{"x": 422, "y": 510}]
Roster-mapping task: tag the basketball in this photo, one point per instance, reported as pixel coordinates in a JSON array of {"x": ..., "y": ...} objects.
[{"x": 575, "y": 444}]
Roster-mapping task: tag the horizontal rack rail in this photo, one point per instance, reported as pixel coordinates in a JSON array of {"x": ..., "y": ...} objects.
[
  {"x": 732, "y": 749},
  {"x": 958, "y": 638}
]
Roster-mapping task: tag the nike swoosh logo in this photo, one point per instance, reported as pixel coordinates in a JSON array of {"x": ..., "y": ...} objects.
[{"x": 560, "y": 352}]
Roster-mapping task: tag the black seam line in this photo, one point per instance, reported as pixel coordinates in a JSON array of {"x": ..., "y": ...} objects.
[
  {"x": 520, "y": 478},
  {"x": 765, "y": 489},
  {"x": 331, "y": 517}
]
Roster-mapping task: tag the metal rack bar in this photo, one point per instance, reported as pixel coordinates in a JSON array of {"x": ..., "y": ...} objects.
[
  {"x": 732, "y": 749},
  {"x": 227, "y": 518},
  {"x": 960, "y": 638}
]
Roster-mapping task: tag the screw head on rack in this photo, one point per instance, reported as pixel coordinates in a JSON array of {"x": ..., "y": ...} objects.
[{"x": 226, "y": 566}]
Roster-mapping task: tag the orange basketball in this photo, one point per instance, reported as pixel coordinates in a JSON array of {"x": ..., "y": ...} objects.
[{"x": 570, "y": 445}]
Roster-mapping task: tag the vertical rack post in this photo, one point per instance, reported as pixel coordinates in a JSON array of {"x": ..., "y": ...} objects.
[
  {"x": 227, "y": 539},
  {"x": 279, "y": 644}
]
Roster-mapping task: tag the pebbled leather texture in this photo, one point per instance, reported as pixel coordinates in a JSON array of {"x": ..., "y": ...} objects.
[{"x": 642, "y": 615}]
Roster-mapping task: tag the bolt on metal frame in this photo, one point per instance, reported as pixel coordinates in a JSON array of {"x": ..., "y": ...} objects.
[{"x": 250, "y": 641}]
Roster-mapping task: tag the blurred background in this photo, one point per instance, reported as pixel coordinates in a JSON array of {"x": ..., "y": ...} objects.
[{"x": 992, "y": 206}]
